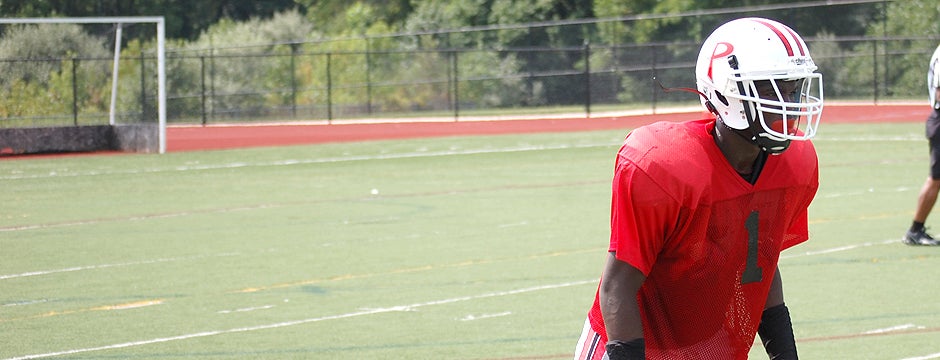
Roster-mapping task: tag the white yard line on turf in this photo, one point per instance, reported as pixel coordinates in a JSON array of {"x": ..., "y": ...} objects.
[
  {"x": 869, "y": 191},
  {"x": 364, "y": 312},
  {"x": 418, "y": 154},
  {"x": 925, "y": 357},
  {"x": 840, "y": 249},
  {"x": 105, "y": 266},
  {"x": 471, "y": 317},
  {"x": 288, "y": 162},
  {"x": 398, "y": 308},
  {"x": 893, "y": 329},
  {"x": 134, "y": 218}
]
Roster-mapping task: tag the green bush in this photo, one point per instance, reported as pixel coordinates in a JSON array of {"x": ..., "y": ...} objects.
[{"x": 36, "y": 71}]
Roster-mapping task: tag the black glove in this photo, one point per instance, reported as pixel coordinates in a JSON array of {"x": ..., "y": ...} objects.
[
  {"x": 776, "y": 332},
  {"x": 631, "y": 350}
]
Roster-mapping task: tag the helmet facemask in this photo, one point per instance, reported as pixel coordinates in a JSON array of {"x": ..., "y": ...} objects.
[{"x": 779, "y": 108}]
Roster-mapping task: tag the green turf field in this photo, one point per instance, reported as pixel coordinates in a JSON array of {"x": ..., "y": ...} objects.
[{"x": 449, "y": 248}]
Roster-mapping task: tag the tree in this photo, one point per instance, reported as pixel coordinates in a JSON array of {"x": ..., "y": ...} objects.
[
  {"x": 184, "y": 19},
  {"x": 910, "y": 18},
  {"x": 41, "y": 59},
  {"x": 877, "y": 70},
  {"x": 333, "y": 16}
]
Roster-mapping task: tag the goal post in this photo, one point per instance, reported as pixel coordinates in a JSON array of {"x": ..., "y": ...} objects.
[{"x": 159, "y": 22}]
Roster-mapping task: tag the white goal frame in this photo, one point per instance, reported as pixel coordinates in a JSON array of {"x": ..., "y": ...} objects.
[{"x": 161, "y": 57}]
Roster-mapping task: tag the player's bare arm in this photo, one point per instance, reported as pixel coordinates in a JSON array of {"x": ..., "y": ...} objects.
[
  {"x": 775, "y": 296},
  {"x": 776, "y": 329},
  {"x": 618, "y": 289}
]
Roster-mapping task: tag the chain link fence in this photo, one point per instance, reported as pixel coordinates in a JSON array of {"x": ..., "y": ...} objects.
[{"x": 288, "y": 83}]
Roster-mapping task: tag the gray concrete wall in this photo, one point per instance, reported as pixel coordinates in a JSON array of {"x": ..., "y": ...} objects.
[{"x": 131, "y": 138}]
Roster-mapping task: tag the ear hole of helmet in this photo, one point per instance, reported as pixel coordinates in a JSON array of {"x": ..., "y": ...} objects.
[{"x": 721, "y": 98}]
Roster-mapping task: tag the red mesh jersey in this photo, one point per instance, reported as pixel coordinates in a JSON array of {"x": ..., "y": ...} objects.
[{"x": 707, "y": 240}]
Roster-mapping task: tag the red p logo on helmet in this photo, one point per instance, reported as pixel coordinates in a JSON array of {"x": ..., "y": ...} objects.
[{"x": 722, "y": 50}]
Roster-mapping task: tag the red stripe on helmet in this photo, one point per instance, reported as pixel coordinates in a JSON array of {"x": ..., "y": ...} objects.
[
  {"x": 783, "y": 39},
  {"x": 796, "y": 38}
]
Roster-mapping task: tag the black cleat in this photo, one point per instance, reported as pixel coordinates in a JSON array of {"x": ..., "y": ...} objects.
[{"x": 919, "y": 238}]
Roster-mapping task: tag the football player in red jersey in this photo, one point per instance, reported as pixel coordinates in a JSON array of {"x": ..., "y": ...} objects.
[
  {"x": 917, "y": 234},
  {"x": 701, "y": 210}
]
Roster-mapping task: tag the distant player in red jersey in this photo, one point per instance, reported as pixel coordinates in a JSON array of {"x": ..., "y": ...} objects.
[{"x": 701, "y": 210}]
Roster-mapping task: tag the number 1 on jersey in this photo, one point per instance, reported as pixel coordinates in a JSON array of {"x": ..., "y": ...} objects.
[{"x": 752, "y": 271}]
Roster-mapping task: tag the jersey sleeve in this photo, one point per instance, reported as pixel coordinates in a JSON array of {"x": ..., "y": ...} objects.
[
  {"x": 642, "y": 214},
  {"x": 798, "y": 231},
  {"x": 933, "y": 78}
]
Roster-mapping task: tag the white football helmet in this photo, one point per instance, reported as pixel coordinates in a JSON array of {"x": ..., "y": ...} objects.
[{"x": 740, "y": 71}]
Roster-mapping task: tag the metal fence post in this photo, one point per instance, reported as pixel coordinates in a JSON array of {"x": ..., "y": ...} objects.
[
  {"x": 456, "y": 86},
  {"x": 293, "y": 81},
  {"x": 329, "y": 90},
  {"x": 143, "y": 88},
  {"x": 369, "y": 75},
  {"x": 874, "y": 69},
  {"x": 653, "y": 66},
  {"x": 212, "y": 84},
  {"x": 75, "y": 91},
  {"x": 202, "y": 86},
  {"x": 587, "y": 78}
]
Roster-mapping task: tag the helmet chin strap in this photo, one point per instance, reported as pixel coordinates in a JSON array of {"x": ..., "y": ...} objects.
[
  {"x": 758, "y": 136},
  {"x": 772, "y": 147}
]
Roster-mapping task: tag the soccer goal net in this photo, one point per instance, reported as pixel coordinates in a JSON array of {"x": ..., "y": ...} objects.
[{"x": 82, "y": 84}]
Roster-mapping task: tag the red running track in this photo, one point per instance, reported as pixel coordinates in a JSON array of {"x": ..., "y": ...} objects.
[
  {"x": 213, "y": 137},
  {"x": 190, "y": 138}
]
